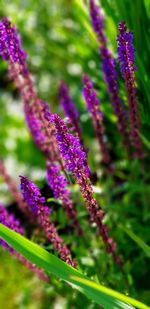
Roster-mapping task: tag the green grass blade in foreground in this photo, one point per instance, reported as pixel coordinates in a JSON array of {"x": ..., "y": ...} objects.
[
  {"x": 137, "y": 239},
  {"x": 101, "y": 295}
]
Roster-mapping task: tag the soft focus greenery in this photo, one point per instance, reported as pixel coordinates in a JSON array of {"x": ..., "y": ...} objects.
[
  {"x": 101, "y": 295},
  {"x": 60, "y": 44}
]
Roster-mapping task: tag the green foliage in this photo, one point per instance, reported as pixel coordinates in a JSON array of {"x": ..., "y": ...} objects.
[
  {"x": 60, "y": 43},
  {"x": 51, "y": 264}
]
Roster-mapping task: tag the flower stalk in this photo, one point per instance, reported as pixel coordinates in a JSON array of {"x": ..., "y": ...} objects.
[
  {"x": 75, "y": 161},
  {"x": 36, "y": 202}
]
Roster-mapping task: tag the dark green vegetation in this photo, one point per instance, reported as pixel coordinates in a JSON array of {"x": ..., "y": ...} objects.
[{"x": 60, "y": 43}]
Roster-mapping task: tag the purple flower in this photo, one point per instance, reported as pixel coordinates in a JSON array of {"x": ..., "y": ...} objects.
[
  {"x": 35, "y": 200},
  {"x": 10, "y": 45},
  {"x": 58, "y": 185},
  {"x": 32, "y": 195},
  {"x": 9, "y": 221},
  {"x": 70, "y": 147},
  {"x": 35, "y": 128},
  {"x": 75, "y": 160},
  {"x": 126, "y": 58},
  {"x": 126, "y": 51},
  {"x": 97, "y": 22},
  {"x": 12, "y": 52},
  {"x": 93, "y": 105},
  {"x": 110, "y": 73}
]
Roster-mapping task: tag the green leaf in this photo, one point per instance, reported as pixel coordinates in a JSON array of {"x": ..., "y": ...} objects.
[
  {"x": 35, "y": 254},
  {"x": 137, "y": 239},
  {"x": 145, "y": 141}
]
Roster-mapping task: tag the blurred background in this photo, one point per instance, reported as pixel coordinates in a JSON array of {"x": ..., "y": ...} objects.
[{"x": 60, "y": 44}]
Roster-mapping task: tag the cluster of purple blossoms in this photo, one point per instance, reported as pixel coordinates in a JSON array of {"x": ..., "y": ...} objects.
[
  {"x": 9, "y": 221},
  {"x": 97, "y": 22},
  {"x": 69, "y": 146},
  {"x": 126, "y": 58},
  {"x": 10, "y": 46},
  {"x": 58, "y": 185},
  {"x": 69, "y": 109},
  {"x": 93, "y": 105},
  {"x": 110, "y": 73},
  {"x": 12, "y": 52},
  {"x": 12, "y": 186},
  {"x": 36, "y": 202},
  {"x": 75, "y": 161}
]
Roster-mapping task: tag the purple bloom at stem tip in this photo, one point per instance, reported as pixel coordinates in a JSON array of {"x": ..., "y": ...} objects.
[
  {"x": 97, "y": 22},
  {"x": 36, "y": 201},
  {"x": 75, "y": 160},
  {"x": 12, "y": 52},
  {"x": 126, "y": 58},
  {"x": 10, "y": 45},
  {"x": 110, "y": 73}
]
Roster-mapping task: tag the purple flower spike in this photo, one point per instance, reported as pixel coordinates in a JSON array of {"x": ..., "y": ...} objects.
[
  {"x": 12, "y": 52},
  {"x": 58, "y": 185},
  {"x": 32, "y": 195},
  {"x": 110, "y": 73},
  {"x": 126, "y": 58},
  {"x": 111, "y": 79},
  {"x": 97, "y": 22},
  {"x": 35, "y": 200},
  {"x": 93, "y": 105},
  {"x": 75, "y": 160},
  {"x": 35, "y": 128},
  {"x": 10, "y": 45},
  {"x": 69, "y": 108},
  {"x": 9, "y": 221},
  {"x": 70, "y": 147}
]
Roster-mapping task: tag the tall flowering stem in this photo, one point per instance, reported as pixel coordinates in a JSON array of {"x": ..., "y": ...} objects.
[
  {"x": 10, "y": 221},
  {"x": 109, "y": 72},
  {"x": 93, "y": 105},
  {"x": 69, "y": 109},
  {"x": 12, "y": 186},
  {"x": 12, "y": 52},
  {"x": 58, "y": 185},
  {"x": 76, "y": 163},
  {"x": 36, "y": 202},
  {"x": 126, "y": 57},
  {"x": 97, "y": 23}
]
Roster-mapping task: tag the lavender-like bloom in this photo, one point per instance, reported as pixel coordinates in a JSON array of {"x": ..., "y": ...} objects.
[
  {"x": 75, "y": 160},
  {"x": 69, "y": 108},
  {"x": 110, "y": 73},
  {"x": 42, "y": 134},
  {"x": 97, "y": 22},
  {"x": 93, "y": 105},
  {"x": 58, "y": 185},
  {"x": 36, "y": 202},
  {"x": 9, "y": 221},
  {"x": 10, "y": 46},
  {"x": 126, "y": 57},
  {"x": 12, "y": 186},
  {"x": 12, "y": 52}
]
